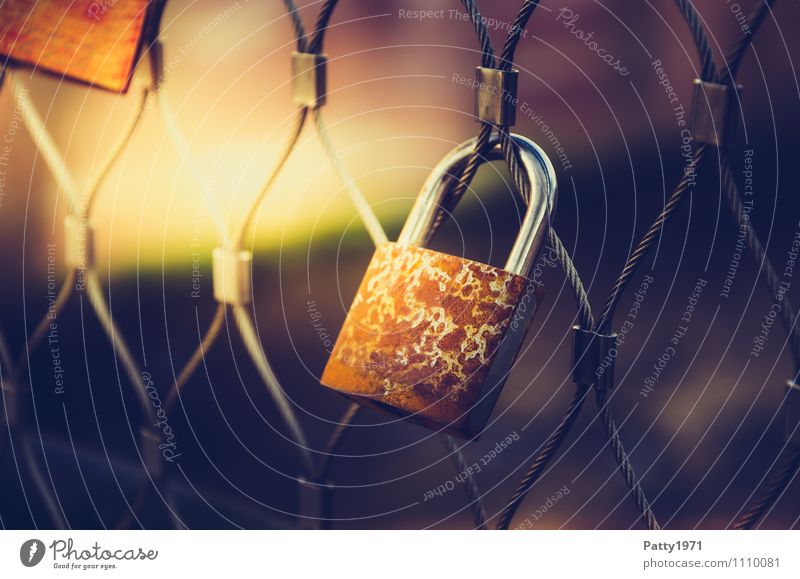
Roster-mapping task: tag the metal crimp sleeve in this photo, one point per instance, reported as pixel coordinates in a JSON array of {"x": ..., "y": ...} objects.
[
  {"x": 715, "y": 113},
  {"x": 593, "y": 358},
  {"x": 231, "y": 272},
  {"x": 496, "y": 95},
  {"x": 309, "y": 79}
]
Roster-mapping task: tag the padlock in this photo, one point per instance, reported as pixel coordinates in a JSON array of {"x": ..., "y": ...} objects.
[
  {"x": 96, "y": 42},
  {"x": 432, "y": 337}
]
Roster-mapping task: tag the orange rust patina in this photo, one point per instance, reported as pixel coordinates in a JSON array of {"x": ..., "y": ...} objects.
[
  {"x": 91, "y": 41},
  {"x": 422, "y": 333}
]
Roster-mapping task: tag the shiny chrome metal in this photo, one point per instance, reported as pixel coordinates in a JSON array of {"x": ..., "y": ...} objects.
[{"x": 543, "y": 188}]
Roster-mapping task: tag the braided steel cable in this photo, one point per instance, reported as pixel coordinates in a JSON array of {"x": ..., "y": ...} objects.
[
  {"x": 79, "y": 205},
  {"x": 776, "y": 487},
  {"x": 692, "y": 18},
  {"x": 623, "y": 460},
  {"x": 563, "y": 428},
  {"x": 237, "y": 240},
  {"x": 754, "y": 21},
  {"x": 242, "y": 316},
  {"x": 548, "y": 450},
  {"x": 790, "y": 463},
  {"x": 250, "y": 338},
  {"x": 45, "y": 145},
  {"x": 473, "y": 491},
  {"x": 647, "y": 240},
  {"x": 633, "y": 261},
  {"x": 709, "y": 72},
  {"x": 335, "y": 440},
  {"x": 198, "y": 356},
  {"x": 365, "y": 212},
  {"x": 378, "y": 236},
  {"x": 770, "y": 277},
  {"x": 515, "y": 33},
  {"x": 734, "y": 60},
  {"x": 511, "y": 156},
  {"x": 488, "y": 60}
]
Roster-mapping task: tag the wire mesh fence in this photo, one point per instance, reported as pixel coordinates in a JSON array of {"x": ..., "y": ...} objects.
[{"x": 145, "y": 405}]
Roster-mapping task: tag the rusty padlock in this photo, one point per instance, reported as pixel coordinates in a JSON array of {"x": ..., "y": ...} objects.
[
  {"x": 95, "y": 42},
  {"x": 430, "y": 336}
]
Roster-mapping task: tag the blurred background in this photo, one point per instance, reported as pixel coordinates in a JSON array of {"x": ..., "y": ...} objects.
[{"x": 702, "y": 439}]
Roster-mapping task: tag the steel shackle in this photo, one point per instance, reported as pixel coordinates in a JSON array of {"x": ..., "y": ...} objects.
[{"x": 543, "y": 187}]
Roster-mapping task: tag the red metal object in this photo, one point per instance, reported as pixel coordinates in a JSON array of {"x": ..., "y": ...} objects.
[
  {"x": 422, "y": 333},
  {"x": 91, "y": 41}
]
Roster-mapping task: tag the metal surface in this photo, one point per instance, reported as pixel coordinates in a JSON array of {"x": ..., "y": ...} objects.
[
  {"x": 432, "y": 336},
  {"x": 496, "y": 95},
  {"x": 309, "y": 79},
  {"x": 715, "y": 113},
  {"x": 536, "y": 222},
  {"x": 593, "y": 358},
  {"x": 422, "y": 334},
  {"x": 97, "y": 43},
  {"x": 231, "y": 272}
]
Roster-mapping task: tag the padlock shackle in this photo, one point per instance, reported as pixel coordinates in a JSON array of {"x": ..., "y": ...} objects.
[{"x": 543, "y": 187}]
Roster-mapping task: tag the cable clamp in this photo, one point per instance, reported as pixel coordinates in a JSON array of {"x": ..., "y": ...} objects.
[
  {"x": 791, "y": 408},
  {"x": 496, "y": 96},
  {"x": 309, "y": 79},
  {"x": 593, "y": 358},
  {"x": 314, "y": 504},
  {"x": 78, "y": 243},
  {"x": 715, "y": 113},
  {"x": 231, "y": 272}
]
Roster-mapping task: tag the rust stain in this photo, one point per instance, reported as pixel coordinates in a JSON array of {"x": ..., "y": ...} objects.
[
  {"x": 91, "y": 41},
  {"x": 422, "y": 332}
]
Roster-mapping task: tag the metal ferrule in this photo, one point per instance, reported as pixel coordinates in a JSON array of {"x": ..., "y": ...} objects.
[
  {"x": 309, "y": 79},
  {"x": 496, "y": 95},
  {"x": 231, "y": 276},
  {"x": 715, "y": 113}
]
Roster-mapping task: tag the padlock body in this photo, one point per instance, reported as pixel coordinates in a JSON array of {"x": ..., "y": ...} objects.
[
  {"x": 431, "y": 337},
  {"x": 95, "y": 42}
]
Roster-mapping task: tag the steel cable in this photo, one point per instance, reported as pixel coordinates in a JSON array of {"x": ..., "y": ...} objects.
[
  {"x": 242, "y": 316},
  {"x": 473, "y": 491},
  {"x": 790, "y": 462},
  {"x": 511, "y": 156},
  {"x": 377, "y": 235},
  {"x": 709, "y": 72},
  {"x": 80, "y": 205},
  {"x": 784, "y": 474}
]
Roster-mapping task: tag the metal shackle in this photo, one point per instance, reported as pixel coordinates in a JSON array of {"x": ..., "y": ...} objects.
[{"x": 540, "y": 175}]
